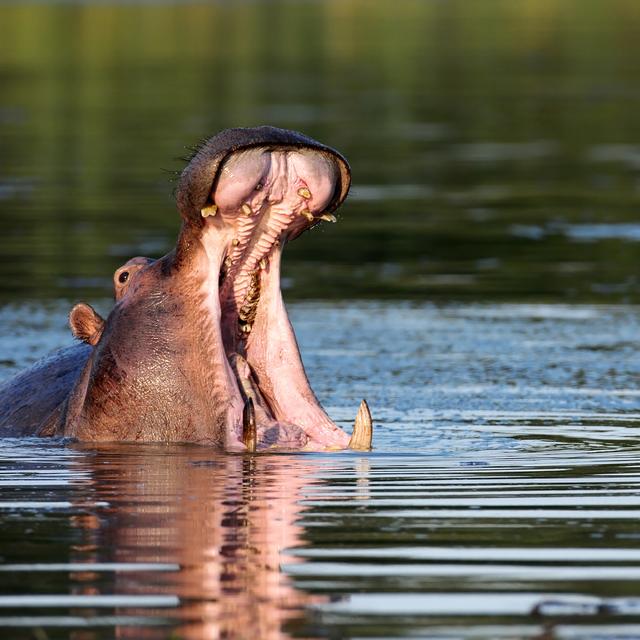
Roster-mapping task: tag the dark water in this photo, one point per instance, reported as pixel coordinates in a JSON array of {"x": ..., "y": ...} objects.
[
  {"x": 479, "y": 289},
  {"x": 495, "y": 145}
]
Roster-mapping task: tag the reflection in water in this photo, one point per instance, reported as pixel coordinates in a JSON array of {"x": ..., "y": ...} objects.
[
  {"x": 172, "y": 541},
  {"x": 223, "y": 521}
]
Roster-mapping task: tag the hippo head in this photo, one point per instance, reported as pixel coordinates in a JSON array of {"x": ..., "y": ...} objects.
[
  {"x": 198, "y": 346},
  {"x": 86, "y": 323}
]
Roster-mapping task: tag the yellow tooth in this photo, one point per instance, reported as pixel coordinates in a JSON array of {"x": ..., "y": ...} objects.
[
  {"x": 305, "y": 193},
  {"x": 362, "y": 429},
  {"x": 228, "y": 261},
  {"x": 246, "y": 328},
  {"x": 235, "y": 242},
  {"x": 246, "y": 209},
  {"x": 263, "y": 263},
  {"x": 307, "y": 214},
  {"x": 210, "y": 210},
  {"x": 329, "y": 217}
]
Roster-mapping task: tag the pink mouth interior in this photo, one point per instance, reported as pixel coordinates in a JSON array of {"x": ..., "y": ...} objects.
[{"x": 265, "y": 197}]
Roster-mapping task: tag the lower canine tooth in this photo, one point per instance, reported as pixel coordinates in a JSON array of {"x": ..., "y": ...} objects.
[
  {"x": 362, "y": 429},
  {"x": 249, "y": 431},
  {"x": 329, "y": 217},
  {"x": 308, "y": 215}
]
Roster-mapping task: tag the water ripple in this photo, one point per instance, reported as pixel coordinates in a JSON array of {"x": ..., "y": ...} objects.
[{"x": 488, "y": 508}]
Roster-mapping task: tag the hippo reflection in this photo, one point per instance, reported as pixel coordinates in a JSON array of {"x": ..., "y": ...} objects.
[
  {"x": 223, "y": 522},
  {"x": 199, "y": 347}
]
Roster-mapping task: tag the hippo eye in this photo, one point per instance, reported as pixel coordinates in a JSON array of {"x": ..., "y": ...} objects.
[{"x": 123, "y": 277}]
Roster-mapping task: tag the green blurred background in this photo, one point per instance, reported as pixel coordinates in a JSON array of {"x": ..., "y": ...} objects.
[{"x": 495, "y": 144}]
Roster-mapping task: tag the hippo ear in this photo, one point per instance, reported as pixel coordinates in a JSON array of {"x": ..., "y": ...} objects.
[{"x": 86, "y": 324}]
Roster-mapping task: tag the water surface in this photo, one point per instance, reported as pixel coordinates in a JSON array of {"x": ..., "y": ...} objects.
[{"x": 501, "y": 499}]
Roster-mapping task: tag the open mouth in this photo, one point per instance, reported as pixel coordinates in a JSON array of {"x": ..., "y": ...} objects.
[{"x": 263, "y": 197}]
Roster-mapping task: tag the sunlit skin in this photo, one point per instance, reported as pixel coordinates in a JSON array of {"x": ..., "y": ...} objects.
[{"x": 199, "y": 347}]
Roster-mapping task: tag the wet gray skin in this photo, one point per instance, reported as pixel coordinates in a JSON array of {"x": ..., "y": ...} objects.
[{"x": 198, "y": 347}]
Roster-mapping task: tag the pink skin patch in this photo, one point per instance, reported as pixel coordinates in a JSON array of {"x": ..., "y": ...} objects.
[{"x": 265, "y": 198}]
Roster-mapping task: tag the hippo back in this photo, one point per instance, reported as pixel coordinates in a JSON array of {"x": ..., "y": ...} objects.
[{"x": 30, "y": 397}]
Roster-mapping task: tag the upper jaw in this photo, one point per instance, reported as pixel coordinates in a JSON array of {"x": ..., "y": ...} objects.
[{"x": 199, "y": 178}]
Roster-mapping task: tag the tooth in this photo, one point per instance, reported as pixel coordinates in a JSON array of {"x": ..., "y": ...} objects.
[
  {"x": 249, "y": 432},
  {"x": 329, "y": 217},
  {"x": 246, "y": 209},
  {"x": 263, "y": 263},
  {"x": 307, "y": 214},
  {"x": 210, "y": 210},
  {"x": 228, "y": 261},
  {"x": 235, "y": 242},
  {"x": 362, "y": 429},
  {"x": 246, "y": 328},
  {"x": 305, "y": 193}
]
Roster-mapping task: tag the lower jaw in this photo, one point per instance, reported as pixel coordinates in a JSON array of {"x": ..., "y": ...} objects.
[{"x": 268, "y": 370}]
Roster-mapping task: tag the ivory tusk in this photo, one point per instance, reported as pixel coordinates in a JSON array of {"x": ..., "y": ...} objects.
[{"x": 362, "y": 429}]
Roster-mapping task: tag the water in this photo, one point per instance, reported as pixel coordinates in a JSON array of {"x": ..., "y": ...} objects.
[
  {"x": 479, "y": 289},
  {"x": 501, "y": 499}
]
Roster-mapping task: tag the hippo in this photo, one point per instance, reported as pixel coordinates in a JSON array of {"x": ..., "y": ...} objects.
[
  {"x": 31, "y": 397},
  {"x": 198, "y": 347}
]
